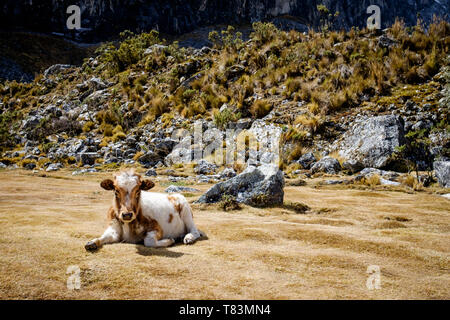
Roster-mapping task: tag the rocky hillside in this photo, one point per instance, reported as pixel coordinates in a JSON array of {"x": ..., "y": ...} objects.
[
  {"x": 104, "y": 18},
  {"x": 353, "y": 102}
]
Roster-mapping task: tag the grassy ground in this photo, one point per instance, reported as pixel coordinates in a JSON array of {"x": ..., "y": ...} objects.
[{"x": 250, "y": 254}]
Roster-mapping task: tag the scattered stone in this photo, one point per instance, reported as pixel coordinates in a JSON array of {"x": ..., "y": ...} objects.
[
  {"x": 307, "y": 160},
  {"x": 332, "y": 182},
  {"x": 178, "y": 189},
  {"x": 256, "y": 186},
  {"x": 57, "y": 68},
  {"x": 2, "y": 165},
  {"x": 149, "y": 159},
  {"x": 88, "y": 170},
  {"x": 326, "y": 164},
  {"x": 88, "y": 158},
  {"x": 227, "y": 173},
  {"x": 151, "y": 173},
  {"x": 54, "y": 167},
  {"x": 205, "y": 167},
  {"x": 389, "y": 182},
  {"x": 352, "y": 166},
  {"x": 30, "y": 166}
]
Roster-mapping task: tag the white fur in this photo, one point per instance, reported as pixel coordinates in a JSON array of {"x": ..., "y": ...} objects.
[{"x": 158, "y": 207}]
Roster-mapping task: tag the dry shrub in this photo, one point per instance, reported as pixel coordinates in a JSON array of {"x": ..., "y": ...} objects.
[
  {"x": 297, "y": 207},
  {"x": 260, "y": 108},
  {"x": 229, "y": 203},
  {"x": 373, "y": 180}
]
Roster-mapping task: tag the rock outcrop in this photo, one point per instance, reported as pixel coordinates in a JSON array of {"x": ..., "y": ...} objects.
[{"x": 372, "y": 141}]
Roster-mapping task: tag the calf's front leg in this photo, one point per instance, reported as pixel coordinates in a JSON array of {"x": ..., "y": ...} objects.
[
  {"x": 153, "y": 239},
  {"x": 111, "y": 235}
]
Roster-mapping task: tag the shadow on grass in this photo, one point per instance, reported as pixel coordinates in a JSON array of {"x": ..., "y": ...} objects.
[{"x": 162, "y": 252}]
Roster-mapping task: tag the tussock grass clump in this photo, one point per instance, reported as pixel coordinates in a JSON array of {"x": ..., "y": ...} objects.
[
  {"x": 297, "y": 207},
  {"x": 229, "y": 203}
]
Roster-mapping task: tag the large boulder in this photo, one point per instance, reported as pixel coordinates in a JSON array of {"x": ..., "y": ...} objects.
[
  {"x": 442, "y": 172},
  {"x": 326, "y": 164},
  {"x": 256, "y": 186},
  {"x": 372, "y": 141}
]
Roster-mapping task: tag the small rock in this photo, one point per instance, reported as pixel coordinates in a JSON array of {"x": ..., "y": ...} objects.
[
  {"x": 307, "y": 160},
  {"x": 227, "y": 173},
  {"x": 205, "y": 167},
  {"x": 30, "y": 166},
  {"x": 178, "y": 189},
  {"x": 352, "y": 166},
  {"x": 54, "y": 167},
  {"x": 151, "y": 173},
  {"x": 326, "y": 164}
]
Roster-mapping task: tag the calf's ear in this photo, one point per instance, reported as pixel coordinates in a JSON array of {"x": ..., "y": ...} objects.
[
  {"x": 147, "y": 185},
  {"x": 107, "y": 184}
]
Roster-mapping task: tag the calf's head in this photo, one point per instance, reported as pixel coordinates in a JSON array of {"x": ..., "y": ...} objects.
[{"x": 127, "y": 187}]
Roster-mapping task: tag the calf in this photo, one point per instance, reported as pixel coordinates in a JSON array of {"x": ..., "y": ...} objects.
[{"x": 139, "y": 216}]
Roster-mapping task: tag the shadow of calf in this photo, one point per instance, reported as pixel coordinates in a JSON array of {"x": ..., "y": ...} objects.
[{"x": 162, "y": 252}]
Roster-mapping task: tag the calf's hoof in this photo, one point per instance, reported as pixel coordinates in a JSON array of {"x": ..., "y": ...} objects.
[
  {"x": 91, "y": 246},
  {"x": 189, "y": 239}
]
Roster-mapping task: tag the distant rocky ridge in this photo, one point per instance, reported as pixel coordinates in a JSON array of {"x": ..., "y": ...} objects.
[{"x": 104, "y": 18}]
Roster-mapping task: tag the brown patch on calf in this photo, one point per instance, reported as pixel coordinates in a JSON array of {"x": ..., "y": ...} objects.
[
  {"x": 175, "y": 203},
  {"x": 111, "y": 215},
  {"x": 170, "y": 218}
]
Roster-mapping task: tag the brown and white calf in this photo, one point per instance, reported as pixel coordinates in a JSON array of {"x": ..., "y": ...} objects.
[{"x": 140, "y": 216}]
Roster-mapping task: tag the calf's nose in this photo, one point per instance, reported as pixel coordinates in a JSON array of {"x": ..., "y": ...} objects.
[{"x": 127, "y": 216}]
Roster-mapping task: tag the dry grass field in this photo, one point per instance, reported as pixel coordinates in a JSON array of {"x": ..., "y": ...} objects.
[{"x": 250, "y": 254}]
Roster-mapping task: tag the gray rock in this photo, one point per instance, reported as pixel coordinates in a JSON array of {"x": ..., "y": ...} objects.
[
  {"x": 372, "y": 141},
  {"x": 151, "y": 173},
  {"x": 149, "y": 159},
  {"x": 57, "y": 68},
  {"x": 88, "y": 158},
  {"x": 442, "y": 172},
  {"x": 89, "y": 170},
  {"x": 256, "y": 186},
  {"x": 352, "y": 166},
  {"x": 307, "y": 160},
  {"x": 178, "y": 189},
  {"x": 54, "y": 167},
  {"x": 326, "y": 164},
  {"x": 389, "y": 182},
  {"x": 2, "y": 165},
  {"x": 30, "y": 166},
  {"x": 205, "y": 167},
  {"x": 227, "y": 173}
]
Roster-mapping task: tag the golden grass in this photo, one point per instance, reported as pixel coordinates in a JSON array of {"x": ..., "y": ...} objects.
[{"x": 268, "y": 253}]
